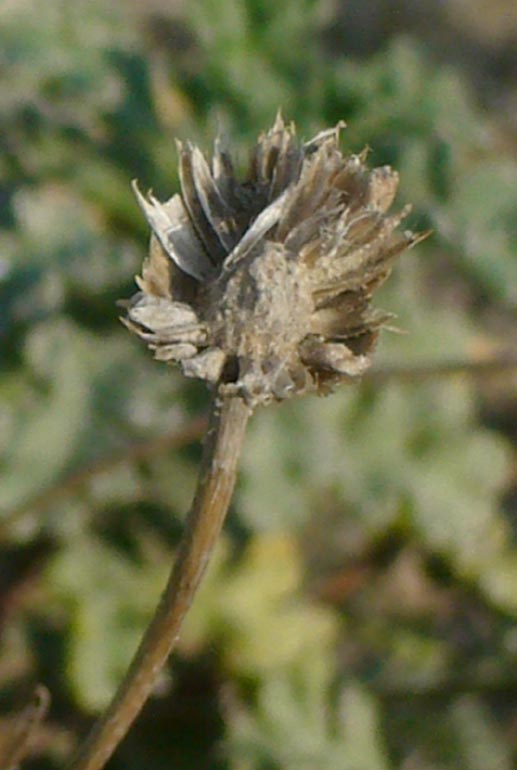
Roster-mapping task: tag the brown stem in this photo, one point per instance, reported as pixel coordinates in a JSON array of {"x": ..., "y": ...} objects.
[{"x": 217, "y": 475}]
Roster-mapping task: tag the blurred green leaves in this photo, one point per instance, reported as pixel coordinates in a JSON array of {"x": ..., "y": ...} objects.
[
  {"x": 43, "y": 441},
  {"x": 425, "y": 459},
  {"x": 294, "y": 726},
  {"x": 107, "y": 598},
  {"x": 481, "y": 222},
  {"x": 253, "y": 609},
  {"x": 360, "y": 611}
]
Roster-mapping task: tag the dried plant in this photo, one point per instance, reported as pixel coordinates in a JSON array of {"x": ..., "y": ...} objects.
[{"x": 262, "y": 288}]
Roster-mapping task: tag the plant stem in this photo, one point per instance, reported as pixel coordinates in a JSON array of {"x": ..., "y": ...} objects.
[{"x": 216, "y": 481}]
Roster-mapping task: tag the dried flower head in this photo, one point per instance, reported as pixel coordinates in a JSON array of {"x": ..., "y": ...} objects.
[{"x": 264, "y": 285}]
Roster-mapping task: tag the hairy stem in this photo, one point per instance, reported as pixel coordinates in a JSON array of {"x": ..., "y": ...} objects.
[{"x": 218, "y": 471}]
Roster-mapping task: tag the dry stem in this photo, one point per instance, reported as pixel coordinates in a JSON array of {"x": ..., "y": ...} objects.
[{"x": 215, "y": 487}]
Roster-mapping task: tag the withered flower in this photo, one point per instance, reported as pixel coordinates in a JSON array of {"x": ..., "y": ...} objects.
[
  {"x": 264, "y": 285},
  {"x": 262, "y": 288}
]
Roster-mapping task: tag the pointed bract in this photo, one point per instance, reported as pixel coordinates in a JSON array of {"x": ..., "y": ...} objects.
[{"x": 264, "y": 285}]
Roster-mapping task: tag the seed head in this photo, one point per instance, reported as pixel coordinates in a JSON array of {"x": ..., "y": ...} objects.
[{"x": 263, "y": 286}]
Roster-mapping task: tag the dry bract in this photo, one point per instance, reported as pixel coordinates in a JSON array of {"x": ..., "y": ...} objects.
[{"x": 264, "y": 285}]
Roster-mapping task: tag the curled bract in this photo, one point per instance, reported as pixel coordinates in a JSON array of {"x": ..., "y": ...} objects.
[{"x": 263, "y": 285}]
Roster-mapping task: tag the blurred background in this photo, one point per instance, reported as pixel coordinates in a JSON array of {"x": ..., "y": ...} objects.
[{"x": 360, "y": 610}]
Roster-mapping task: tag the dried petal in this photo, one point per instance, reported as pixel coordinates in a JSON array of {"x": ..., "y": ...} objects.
[
  {"x": 195, "y": 198},
  {"x": 333, "y": 356},
  {"x": 157, "y": 313},
  {"x": 176, "y": 352},
  {"x": 207, "y": 365},
  {"x": 260, "y": 227},
  {"x": 172, "y": 226}
]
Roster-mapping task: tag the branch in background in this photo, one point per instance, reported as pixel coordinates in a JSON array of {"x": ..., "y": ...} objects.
[
  {"x": 483, "y": 367},
  {"x": 501, "y": 683},
  {"x": 137, "y": 452},
  {"x": 26, "y": 726},
  {"x": 156, "y": 446}
]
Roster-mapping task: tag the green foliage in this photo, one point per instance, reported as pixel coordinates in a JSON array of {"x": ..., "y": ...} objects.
[
  {"x": 292, "y": 728},
  {"x": 104, "y": 624},
  {"x": 252, "y": 609},
  {"x": 360, "y": 611},
  {"x": 482, "y": 222}
]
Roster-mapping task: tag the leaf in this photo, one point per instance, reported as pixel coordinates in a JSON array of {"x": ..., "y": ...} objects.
[
  {"x": 295, "y": 728},
  {"x": 49, "y": 433},
  {"x": 109, "y": 599},
  {"x": 480, "y": 743},
  {"x": 253, "y": 608},
  {"x": 499, "y": 581},
  {"x": 272, "y": 494},
  {"x": 481, "y": 217}
]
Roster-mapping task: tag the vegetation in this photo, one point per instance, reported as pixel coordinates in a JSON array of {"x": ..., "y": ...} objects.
[{"x": 360, "y": 611}]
